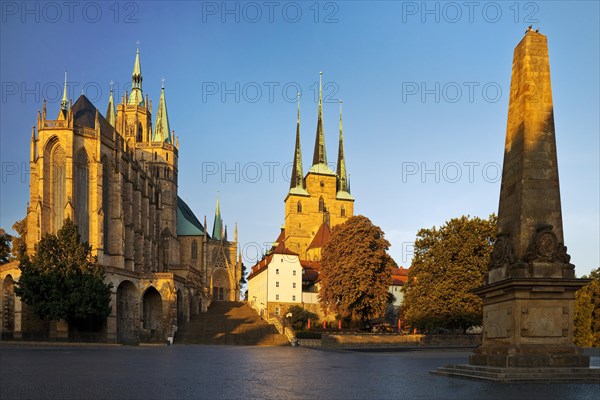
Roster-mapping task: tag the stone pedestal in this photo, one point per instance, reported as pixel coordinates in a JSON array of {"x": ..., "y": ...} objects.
[{"x": 529, "y": 323}]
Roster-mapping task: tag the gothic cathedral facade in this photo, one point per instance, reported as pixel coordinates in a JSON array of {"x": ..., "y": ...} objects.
[{"x": 116, "y": 177}]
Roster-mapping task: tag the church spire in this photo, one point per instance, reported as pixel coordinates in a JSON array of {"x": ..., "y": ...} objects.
[
  {"x": 111, "y": 117},
  {"x": 162, "y": 133},
  {"x": 320, "y": 155},
  {"x": 136, "y": 97},
  {"x": 342, "y": 181},
  {"x": 297, "y": 178},
  {"x": 217, "y": 232},
  {"x": 64, "y": 103}
]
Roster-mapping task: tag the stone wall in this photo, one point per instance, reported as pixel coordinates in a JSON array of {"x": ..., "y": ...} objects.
[{"x": 389, "y": 341}]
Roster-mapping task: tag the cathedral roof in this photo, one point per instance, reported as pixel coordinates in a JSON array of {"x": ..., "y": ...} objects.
[
  {"x": 187, "y": 223},
  {"x": 321, "y": 237},
  {"x": 84, "y": 114}
]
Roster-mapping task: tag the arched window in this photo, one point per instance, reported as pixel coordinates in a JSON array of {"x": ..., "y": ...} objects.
[
  {"x": 105, "y": 203},
  {"x": 299, "y": 207},
  {"x": 58, "y": 187},
  {"x": 194, "y": 250},
  {"x": 139, "y": 133},
  {"x": 343, "y": 212},
  {"x": 321, "y": 204},
  {"x": 81, "y": 195}
]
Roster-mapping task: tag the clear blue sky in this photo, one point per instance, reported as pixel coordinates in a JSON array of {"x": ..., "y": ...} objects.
[{"x": 378, "y": 57}]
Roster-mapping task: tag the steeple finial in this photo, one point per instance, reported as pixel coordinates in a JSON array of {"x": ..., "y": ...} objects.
[
  {"x": 342, "y": 181},
  {"x": 136, "y": 97},
  {"x": 64, "y": 103},
  {"x": 218, "y": 224},
  {"x": 162, "y": 132},
  {"x": 297, "y": 178},
  {"x": 111, "y": 117},
  {"x": 320, "y": 154}
]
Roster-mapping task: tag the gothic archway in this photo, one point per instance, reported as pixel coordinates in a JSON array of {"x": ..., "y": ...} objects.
[
  {"x": 8, "y": 307},
  {"x": 127, "y": 310},
  {"x": 220, "y": 285},
  {"x": 152, "y": 313}
]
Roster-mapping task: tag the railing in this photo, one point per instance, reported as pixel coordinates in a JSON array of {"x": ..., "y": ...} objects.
[{"x": 287, "y": 332}]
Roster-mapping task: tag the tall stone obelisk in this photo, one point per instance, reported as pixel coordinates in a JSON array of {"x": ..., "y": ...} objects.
[{"x": 528, "y": 298}]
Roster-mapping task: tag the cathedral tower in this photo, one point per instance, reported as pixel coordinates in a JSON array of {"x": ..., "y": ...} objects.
[{"x": 321, "y": 199}]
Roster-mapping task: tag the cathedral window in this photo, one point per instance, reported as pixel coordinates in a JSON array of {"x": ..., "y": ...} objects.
[
  {"x": 81, "y": 195},
  {"x": 57, "y": 185},
  {"x": 105, "y": 203},
  {"x": 343, "y": 212},
  {"x": 194, "y": 250},
  {"x": 321, "y": 204},
  {"x": 322, "y": 184},
  {"x": 299, "y": 207}
]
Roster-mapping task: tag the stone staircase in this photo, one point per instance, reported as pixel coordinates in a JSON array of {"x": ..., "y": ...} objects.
[
  {"x": 522, "y": 375},
  {"x": 230, "y": 323}
]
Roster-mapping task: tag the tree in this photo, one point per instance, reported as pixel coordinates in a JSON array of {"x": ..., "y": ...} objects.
[
  {"x": 298, "y": 317},
  {"x": 587, "y": 312},
  {"x": 355, "y": 271},
  {"x": 19, "y": 247},
  {"x": 243, "y": 280},
  {"x": 448, "y": 262},
  {"x": 5, "y": 240},
  {"x": 63, "y": 280}
]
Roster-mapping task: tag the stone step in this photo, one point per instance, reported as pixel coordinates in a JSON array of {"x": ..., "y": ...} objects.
[
  {"x": 231, "y": 323},
  {"x": 522, "y": 375}
]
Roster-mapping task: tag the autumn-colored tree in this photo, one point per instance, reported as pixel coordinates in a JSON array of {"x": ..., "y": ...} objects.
[
  {"x": 62, "y": 280},
  {"x": 448, "y": 262},
  {"x": 5, "y": 240},
  {"x": 355, "y": 271},
  {"x": 587, "y": 312},
  {"x": 19, "y": 247}
]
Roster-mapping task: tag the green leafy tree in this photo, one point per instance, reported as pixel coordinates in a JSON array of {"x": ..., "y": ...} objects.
[
  {"x": 587, "y": 312},
  {"x": 62, "y": 280},
  {"x": 448, "y": 262},
  {"x": 19, "y": 247},
  {"x": 355, "y": 271},
  {"x": 297, "y": 317},
  {"x": 243, "y": 280},
  {"x": 5, "y": 240}
]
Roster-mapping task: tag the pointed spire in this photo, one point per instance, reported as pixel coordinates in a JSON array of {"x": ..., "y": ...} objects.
[
  {"x": 64, "y": 103},
  {"x": 162, "y": 133},
  {"x": 136, "y": 97},
  {"x": 111, "y": 117},
  {"x": 224, "y": 235},
  {"x": 320, "y": 154},
  {"x": 235, "y": 233},
  {"x": 342, "y": 181},
  {"x": 297, "y": 178},
  {"x": 218, "y": 224}
]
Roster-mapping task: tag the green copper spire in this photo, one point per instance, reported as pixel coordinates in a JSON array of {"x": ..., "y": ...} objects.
[
  {"x": 136, "y": 97},
  {"x": 342, "y": 181},
  {"x": 162, "y": 133},
  {"x": 320, "y": 155},
  {"x": 217, "y": 232},
  {"x": 297, "y": 178},
  {"x": 111, "y": 117},
  {"x": 64, "y": 103}
]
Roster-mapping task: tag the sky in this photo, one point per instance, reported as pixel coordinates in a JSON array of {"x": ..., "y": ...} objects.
[{"x": 424, "y": 87}]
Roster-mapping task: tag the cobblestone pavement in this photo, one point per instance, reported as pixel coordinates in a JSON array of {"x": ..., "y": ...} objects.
[{"x": 236, "y": 372}]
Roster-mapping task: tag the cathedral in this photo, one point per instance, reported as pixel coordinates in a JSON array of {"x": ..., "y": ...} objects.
[
  {"x": 116, "y": 177},
  {"x": 314, "y": 203}
]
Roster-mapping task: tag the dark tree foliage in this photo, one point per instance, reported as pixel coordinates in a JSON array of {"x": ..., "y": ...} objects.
[
  {"x": 587, "y": 312},
  {"x": 448, "y": 262},
  {"x": 62, "y": 280},
  {"x": 297, "y": 317},
  {"x": 243, "y": 280},
  {"x": 19, "y": 247},
  {"x": 355, "y": 271},
  {"x": 5, "y": 240}
]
